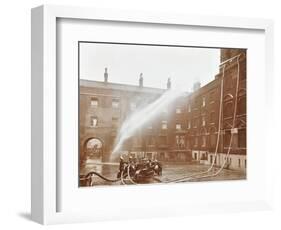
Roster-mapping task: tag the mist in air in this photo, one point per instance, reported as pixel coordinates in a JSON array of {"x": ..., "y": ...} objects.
[{"x": 143, "y": 115}]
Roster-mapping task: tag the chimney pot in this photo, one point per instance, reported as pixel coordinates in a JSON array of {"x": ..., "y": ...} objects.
[
  {"x": 105, "y": 75},
  {"x": 196, "y": 86},
  {"x": 169, "y": 83},
  {"x": 141, "y": 80}
]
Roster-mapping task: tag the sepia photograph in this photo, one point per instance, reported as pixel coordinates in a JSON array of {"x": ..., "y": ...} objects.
[{"x": 153, "y": 114}]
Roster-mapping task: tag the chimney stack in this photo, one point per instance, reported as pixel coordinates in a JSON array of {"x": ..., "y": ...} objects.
[
  {"x": 169, "y": 84},
  {"x": 141, "y": 80},
  {"x": 105, "y": 75}
]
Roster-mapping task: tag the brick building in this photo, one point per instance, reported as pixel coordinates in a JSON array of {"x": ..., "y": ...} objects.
[
  {"x": 185, "y": 131},
  {"x": 204, "y": 109}
]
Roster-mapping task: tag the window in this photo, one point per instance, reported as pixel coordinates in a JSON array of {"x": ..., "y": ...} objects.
[
  {"x": 94, "y": 122},
  {"x": 204, "y": 140},
  {"x": 180, "y": 141},
  {"x": 189, "y": 108},
  {"x": 203, "y": 121},
  {"x": 162, "y": 140},
  {"x": 213, "y": 138},
  {"x": 195, "y": 141},
  {"x": 211, "y": 159},
  {"x": 178, "y": 126},
  {"x": 94, "y": 102},
  {"x": 195, "y": 156},
  {"x": 178, "y": 110},
  {"x": 242, "y": 138},
  {"x": 227, "y": 136},
  {"x": 228, "y": 97},
  {"x": 188, "y": 124},
  {"x": 115, "y": 103},
  {"x": 150, "y": 140},
  {"x": 177, "y": 140},
  {"x": 164, "y": 125},
  {"x": 195, "y": 121},
  {"x": 228, "y": 82},
  {"x": 149, "y": 127},
  {"x": 212, "y": 97},
  {"x": 187, "y": 142},
  {"x": 203, "y": 101},
  {"x": 243, "y": 70},
  {"x": 239, "y": 163},
  {"x": 115, "y": 121},
  {"x": 212, "y": 117},
  {"x": 228, "y": 109},
  {"x": 204, "y": 156},
  {"x": 242, "y": 105}
]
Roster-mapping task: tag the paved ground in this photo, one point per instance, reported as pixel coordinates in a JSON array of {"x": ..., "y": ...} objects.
[{"x": 170, "y": 172}]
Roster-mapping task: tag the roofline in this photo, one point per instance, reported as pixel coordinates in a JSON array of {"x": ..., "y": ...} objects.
[{"x": 112, "y": 84}]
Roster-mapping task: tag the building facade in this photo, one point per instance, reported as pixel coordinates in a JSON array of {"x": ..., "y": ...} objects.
[
  {"x": 207, "y": 125},
  {"x": 218, "y": 117}
]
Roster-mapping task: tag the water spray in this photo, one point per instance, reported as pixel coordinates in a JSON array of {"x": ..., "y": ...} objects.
[{"x": 143, "y": 115}]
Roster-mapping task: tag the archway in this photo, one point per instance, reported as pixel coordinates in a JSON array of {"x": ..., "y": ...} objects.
[
  {"x": 91, "y": 155},
  {"x": 93, "y": 148}
]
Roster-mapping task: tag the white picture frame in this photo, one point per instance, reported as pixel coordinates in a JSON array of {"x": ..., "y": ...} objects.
[{"x": 45, "y": 90}]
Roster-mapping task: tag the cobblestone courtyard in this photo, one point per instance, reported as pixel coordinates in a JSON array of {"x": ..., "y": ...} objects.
[{"x": 171, "y": 171}]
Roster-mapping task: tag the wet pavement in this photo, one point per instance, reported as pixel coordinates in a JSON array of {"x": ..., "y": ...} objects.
[{"x": 172, "y": 172}]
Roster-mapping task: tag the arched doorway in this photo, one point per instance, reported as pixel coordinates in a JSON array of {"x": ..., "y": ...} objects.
[
  {"x": 91, "y": 157},
  {"x": 93, "y": 149}
]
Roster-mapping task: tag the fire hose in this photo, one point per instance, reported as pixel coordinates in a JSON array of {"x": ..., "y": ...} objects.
[
  {"x": 199, "y": 175},
  {"x": 205, "y": 174},
  {"x": 90, "y": 175}
]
